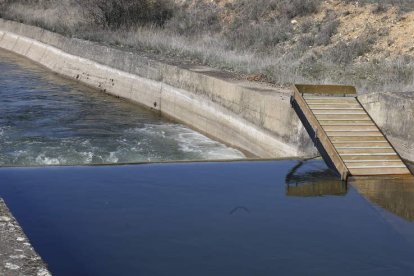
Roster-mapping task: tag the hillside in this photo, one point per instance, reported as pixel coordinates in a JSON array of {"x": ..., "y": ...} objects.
[{"x": 364, "y": 43}]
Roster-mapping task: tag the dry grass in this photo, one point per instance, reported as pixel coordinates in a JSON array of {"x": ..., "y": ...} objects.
[{"x": 239, "y": 36}]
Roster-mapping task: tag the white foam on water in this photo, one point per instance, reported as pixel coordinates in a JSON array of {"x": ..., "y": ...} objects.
[
  {"x": 42, "y": 159},
  {"x": 190, "y": 141},
  {"x": 112, "y": 157},
  {"x": 87, "y": 156}
]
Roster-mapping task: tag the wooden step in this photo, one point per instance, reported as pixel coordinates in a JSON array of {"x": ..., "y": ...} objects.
[
  {"x": 378, "y": 171},
  {"x": 350, "y": 128},
  {"x": 335, "y": 106},
  {"x": 358, "y": 144},
  {"x": 366, "y": 158},
  {"x": 354, "y": 142},
  {"x": 346, "y": 123},
  {"x": 339, "y": 111},
  {"x": 309, "y": 97},
  {"x": 386, "y": 163},
  {"x": 367, "y": 151},
  {"x": 343, "y": 117},
  {"x": 354, "y": 133},
  {"x": 337, "y": 139},
  {"x": 331, "y": 101}
]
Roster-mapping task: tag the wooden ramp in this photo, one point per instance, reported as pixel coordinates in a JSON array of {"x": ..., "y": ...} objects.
[{"x": 345, "y": 135}]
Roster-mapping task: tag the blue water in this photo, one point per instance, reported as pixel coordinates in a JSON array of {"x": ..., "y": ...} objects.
[
  {"x": 48, "y": 120},
  {"x": 240, "y": 218}
]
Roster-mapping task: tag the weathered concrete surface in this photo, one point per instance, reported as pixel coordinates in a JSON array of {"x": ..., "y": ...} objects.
[
  {"x": 17, "y": 256},
  {"x": 254, "y": 118},
  {"x": 394, "y": 114}
]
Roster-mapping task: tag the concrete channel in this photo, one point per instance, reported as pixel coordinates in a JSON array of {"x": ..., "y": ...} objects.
[{"x": 255, "y": 118}]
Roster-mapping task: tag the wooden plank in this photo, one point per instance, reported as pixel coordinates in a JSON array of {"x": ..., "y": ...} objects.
[
  {"x": 339, "y": 111},
  {"x": 339, "y": 108},
  {"x": 364, "y": 158},
  {"x": 351, "y": 128},
  {"x": 335, "y": 106},
  {"x": 374, "y": 163},
  {"x": 330, "y": 101},
  {"x": 344, "y": 117},
  {"x": 325, "y": 89},
  {"x": 358, "y": 144},
  {"x": 354, "y": 133},
  {"x": 368, "y": 151},
  {"x": 376, "y": 166},
  {"x": 346, "y": 123},
  {"x": 310, "y": 99},
  {"x": 379, "y": 171},
  {"x": 358, "y": 139}
]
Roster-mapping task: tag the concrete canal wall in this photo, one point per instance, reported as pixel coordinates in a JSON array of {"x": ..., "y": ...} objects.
[
  {"x": 17, "y": 256},
  {"x": 394, "y": 114},
  {"x": 255, "y": 118}
]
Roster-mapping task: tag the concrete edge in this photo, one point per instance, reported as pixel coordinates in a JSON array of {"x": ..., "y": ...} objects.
[
  {"x": 398, "y": 125},
  {"x": 17, "y": 256}
]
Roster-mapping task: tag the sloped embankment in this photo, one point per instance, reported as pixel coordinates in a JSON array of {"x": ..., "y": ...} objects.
[{"x": 255, "y": 118}]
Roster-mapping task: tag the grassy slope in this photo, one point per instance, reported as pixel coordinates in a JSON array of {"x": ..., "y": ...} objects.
[{"x": 279, "y": 41}]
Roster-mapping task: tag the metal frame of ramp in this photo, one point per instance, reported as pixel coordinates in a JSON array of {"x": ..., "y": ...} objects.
[{"x": 346, "y": 136}]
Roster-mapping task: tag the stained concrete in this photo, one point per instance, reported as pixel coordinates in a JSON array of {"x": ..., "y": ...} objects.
[
  {"x": 255, "y": 118},
  {"x": 394, "y": 114},
  {"x": 17, "y": 256}
]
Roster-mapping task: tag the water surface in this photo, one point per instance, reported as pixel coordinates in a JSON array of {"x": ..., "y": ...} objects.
[
  {"x": 240, "y": 218},
  {"x": 48, "y": 120}
]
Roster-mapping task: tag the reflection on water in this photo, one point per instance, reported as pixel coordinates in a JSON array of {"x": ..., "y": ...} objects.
[
  {"x": 313, "y": 179},
  {"x": 395, "y": 194},
  {"x": 392, "y": 193}
]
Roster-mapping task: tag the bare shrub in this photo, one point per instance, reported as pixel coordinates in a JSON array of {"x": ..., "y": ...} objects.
[
  {"x": 306, "y": 25},
  {"x": 67, "y": 16},
  {"x": 64, "y": 17},
  {"x": 379, "y": 8},
  {"x": 326, "y": 31},
  {"x": 255, "y": 10},
  {"x": 202, "y": 17},
  {"x": 258, "y": 36},
  {"x": 346, "y": 52},
  {"x": 127, "y": 13},
  {"x": 294, "y": 8}
]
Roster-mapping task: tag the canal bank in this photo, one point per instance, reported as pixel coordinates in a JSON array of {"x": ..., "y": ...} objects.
[
  {"x": 393, "y": 113},
  {"x": 17, "y": 256},
  {"x": 255, "y": 118}
]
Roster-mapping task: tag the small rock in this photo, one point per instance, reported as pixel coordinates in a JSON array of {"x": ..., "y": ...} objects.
[
  {"x": 4, "y": 219},
  {"x": 11, "y": 266},
  {"x": 294, "y": 22},
  {"x": 43, "y": 272},
  {"x": 17, "y": 256},
  {"x": 20, "y": 239}
]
